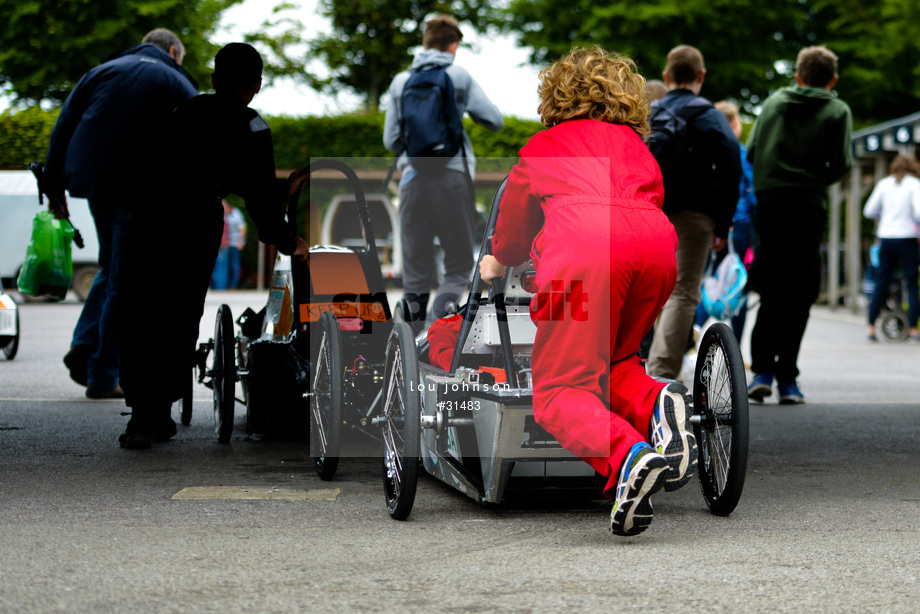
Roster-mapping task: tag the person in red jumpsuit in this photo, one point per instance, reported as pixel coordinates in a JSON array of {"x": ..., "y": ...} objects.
[{"x": 584, "y": 202}]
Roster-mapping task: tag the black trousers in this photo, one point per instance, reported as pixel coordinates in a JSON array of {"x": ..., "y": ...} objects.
[
  {"x": 166, "y": 271},
  {"x": 891, "y": 253},
  {"x": 787, "y": 275}
]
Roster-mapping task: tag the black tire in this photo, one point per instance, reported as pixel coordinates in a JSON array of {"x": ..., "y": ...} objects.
[
  {"x": 328, "y": 398},
  {"x": 185, "y": 403},
  {"x": 402, "y": 313},
  {"x": 223, "y": 375},
  {"x": 400, "y": 428},
  {"x": 894, "y": 325},
  {"x": 720, "y": 408},
  {"x": 12, "y": 344}
]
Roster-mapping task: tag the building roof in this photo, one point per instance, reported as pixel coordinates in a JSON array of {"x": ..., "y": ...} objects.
[{"x": 888, "y": 137}]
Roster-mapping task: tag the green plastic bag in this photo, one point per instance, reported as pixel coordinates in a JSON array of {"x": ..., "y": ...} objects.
[{"x": 48, "y": 268}]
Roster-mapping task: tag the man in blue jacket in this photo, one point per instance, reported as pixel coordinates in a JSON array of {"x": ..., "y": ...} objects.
[{"x": 103, "y": 148}]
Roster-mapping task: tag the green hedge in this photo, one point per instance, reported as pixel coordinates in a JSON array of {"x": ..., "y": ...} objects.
[
  {"x": 361, "y": 136},
  {"x": 24, "y": 136}
]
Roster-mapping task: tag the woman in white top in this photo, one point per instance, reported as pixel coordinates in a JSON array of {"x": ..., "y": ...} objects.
[{"x": 895, "y": 203}]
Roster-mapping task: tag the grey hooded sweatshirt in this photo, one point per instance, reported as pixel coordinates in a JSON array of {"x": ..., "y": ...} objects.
[{"x": 470, "y": 99}]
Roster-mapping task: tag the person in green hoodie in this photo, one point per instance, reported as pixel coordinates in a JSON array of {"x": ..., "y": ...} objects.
[{"x": 799, "y": 146}]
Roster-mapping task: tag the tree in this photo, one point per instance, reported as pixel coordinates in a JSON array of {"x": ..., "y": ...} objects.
[
  {"x": 878, "y": 43},
  {"x": 740, "y": 40},
  {"x": 749, "y": 47},
  {"x": 279, "y": 41},
  {"x": 45, "y": 46},
  {"x": 371, "y": 39}
]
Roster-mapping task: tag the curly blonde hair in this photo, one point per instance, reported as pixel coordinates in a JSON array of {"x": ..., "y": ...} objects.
[{"x": 594, "y": 84}]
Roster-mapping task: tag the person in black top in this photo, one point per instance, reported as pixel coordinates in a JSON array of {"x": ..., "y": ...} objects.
[{"x": 217, "y": 145}]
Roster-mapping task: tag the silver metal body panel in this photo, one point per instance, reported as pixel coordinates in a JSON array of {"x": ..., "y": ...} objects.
[{"x": 506, "y": 435}]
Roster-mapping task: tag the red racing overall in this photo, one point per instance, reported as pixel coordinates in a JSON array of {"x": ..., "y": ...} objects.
[{"x": 584, "y": 201}]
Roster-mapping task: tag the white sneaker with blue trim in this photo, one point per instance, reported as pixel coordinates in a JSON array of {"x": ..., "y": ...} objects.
[
  {"x": 670, "y": 434},
  {"x": 641, "y": 476}
]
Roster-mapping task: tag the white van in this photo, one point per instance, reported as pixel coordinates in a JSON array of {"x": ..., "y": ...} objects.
[{"x": 18, "y": 205}]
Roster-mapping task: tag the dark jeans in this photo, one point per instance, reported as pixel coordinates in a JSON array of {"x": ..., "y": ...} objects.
[
  {"x": 891, "y": 252},
  {"x": 97, "y": 327},
  {"x": 436, "y": 206},
  {"x": 787, "y": 275}
]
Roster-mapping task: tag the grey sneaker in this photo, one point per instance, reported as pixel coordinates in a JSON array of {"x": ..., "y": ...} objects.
[{"x": 671, "y": 436}]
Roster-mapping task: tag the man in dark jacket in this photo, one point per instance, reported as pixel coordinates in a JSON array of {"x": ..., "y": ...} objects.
[
  {"x": 103, "y": 148},
  {"x": 799, "y": 146},
  {"x": 700, "y": 202},
  {"x": 217, "y": 146}
]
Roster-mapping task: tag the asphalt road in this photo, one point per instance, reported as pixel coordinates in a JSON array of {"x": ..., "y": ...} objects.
[{"x": 829, "y": 520}]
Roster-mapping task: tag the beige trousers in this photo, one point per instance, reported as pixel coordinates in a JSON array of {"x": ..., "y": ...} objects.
[{"x": 672, "y": 329}]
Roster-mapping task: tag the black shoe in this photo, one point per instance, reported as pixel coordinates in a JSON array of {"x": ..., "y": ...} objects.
[
  {"x": 138, "y": 433},
  {"x": 75, "y": 361},
  {"x": 95, "y": 392},
  {"x": 165, "y": 430},
  {"x": 135, "y": 440}
]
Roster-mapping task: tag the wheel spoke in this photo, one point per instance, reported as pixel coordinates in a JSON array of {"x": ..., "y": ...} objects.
[
  {"x": 720, "y": 444},
  {"x": 718, "y": 389},
  {"x": 393, "y": 407},
  {"x": 322, "y": 395}
]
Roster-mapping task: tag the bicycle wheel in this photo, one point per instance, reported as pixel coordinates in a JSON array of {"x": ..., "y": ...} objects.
[
  {"x": 720, "y": 419},
  {"x": 223, "y": 375},
  {"x": 328, "y": 398},
  {"x": 401, "y": 422},
  {"x": 894, "y": 325}
]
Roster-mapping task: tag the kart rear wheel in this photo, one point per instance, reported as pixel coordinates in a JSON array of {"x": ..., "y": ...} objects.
[
  {"x": 223, "y": 375},
  {"x": 328, "y": 399},
  {"x": 720, "y": 409},
  {"x": 401, "y": 422},
  {"x": 12, "y": 343}
]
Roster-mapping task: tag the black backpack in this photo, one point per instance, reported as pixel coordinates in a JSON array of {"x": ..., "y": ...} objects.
[
  {"x": 671, "y": 142},
  {"x": 431, "y": 128}
]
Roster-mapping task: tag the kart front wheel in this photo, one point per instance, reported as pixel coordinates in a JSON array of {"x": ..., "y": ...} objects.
[
  {"x": 223, "y": 375},
  {"x": 327, "y": 401},
  {"x": 400, "y": 425}
]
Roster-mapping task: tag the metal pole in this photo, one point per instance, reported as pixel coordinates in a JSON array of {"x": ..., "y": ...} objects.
[
  {"x": 833, "y": 247},
  {"x": 853, "y": 247},
  {"x": 881, "y": 167}
]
